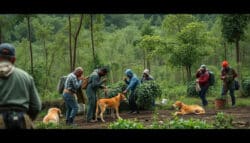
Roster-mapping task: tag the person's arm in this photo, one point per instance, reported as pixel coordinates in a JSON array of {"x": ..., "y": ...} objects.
[
  {"x": 131, "y": 84},
  {"x": 76, "y": 83},
  {"x": 223, "y": 75},
  {"x": 35, "y": 104},
  {"x": 197, "y": 75},
  {"x": 96, "y": 82}
]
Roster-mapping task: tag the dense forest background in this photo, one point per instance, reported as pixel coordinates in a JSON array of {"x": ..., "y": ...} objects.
[{"x": 172, "y": 46}]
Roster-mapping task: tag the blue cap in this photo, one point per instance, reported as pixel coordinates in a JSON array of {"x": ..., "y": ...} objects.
[{"x": 7, "y": 50}]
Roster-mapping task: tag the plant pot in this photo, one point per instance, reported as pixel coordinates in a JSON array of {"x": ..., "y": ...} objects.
[{"x": 220, "y": 103}]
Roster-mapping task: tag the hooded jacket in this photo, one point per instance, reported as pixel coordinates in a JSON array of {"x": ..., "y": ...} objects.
[{"x": 133, "y": 81}]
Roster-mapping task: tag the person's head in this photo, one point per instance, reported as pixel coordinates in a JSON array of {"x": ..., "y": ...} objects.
[
  {"x": 129, "y": 73},
  {"x": 103, "y": 71},
  {"x": 224, "y": 64},
  {"x": 7, "y": 53},
  {"x": 146, "y": 72},
  {"x": 203, "y": 68},
  {"x": 78, "y": 71}
]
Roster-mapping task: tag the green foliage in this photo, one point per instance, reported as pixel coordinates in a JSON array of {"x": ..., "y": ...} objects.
[
  {"x": 174, "y": 23},
  {"x": 191, "y": 91},
  {"x": 146, "y": 93},
  {"x": 173, "y": 90},
  {"x": 233, "y": 26},
  {"x": 126, "y": 124},
  {"x": 180, "y": 123},
  {"x": 114, "y": 89},
  {"x": 41, "y": 125},
  {"x": 245, "y": 86},
  {"x": 223, "y": 121}
]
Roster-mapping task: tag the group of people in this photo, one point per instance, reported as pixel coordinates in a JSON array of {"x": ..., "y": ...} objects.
[
  {"x": 20, "y": 102},
  {"x": 95, "y": 82},
  {"x": 228, "y": 75}
]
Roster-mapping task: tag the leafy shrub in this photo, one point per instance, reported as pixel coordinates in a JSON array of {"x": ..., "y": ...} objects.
[
  {"x": 126, "y": 124},
  {"x": 174, "y": 91},
  {"x": 114, "y": 89},
  {"x": 146, "y": 93},
  {"x": 191, "y": 91},
  {"x": 180, "y": 123},
  {"x": 223, "y": 121},
  {"x": 245, "y": 84},
  {"x": 40, "y": 125}
]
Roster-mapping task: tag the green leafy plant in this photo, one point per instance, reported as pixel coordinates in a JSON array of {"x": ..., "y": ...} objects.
[
  {"x": 146, "y": 93},
  {"x": 223, "y": 121},
  {"x": 245, "y": 87},
  {"x": 180, "y": 123},
  {"x": 191, "y": 91},
  {"x": 126, "y": 124}
]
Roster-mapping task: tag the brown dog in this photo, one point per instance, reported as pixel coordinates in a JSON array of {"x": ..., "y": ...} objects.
[
  {"x": 52, "y": 116},
  {"x": 113, "y": 102},
  {"x": 188, "y": 109}
]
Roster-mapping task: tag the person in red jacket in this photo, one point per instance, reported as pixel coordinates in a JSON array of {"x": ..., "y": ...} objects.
[{"x": 202, "y": 76}]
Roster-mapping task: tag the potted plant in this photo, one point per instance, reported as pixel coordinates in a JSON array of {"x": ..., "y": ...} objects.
[{"x": 220, "y": 102}]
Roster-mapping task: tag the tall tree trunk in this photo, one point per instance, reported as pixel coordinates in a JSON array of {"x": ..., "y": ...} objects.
[
  {"x": 70, "y": 48},
  {"x": 46, "y": 63},
  {"x": 92, "y": 39},
  {"x": 188, "y": 69},
  {"x": 148, "y": 64},
  {"x": 29, "y": 37},
  {"x": 225, "y": 51},
  {"x": 238, "y": 56},
  {"x": 0, "y": 35},
  {"x": 144, "y": 59},
  {"x": 75, "y": 40}
]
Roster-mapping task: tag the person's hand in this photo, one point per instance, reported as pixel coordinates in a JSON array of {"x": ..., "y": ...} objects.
[
  {"x": 223, "y": 77},
  {"x": 105, "y": 89},
  {"x": 80, "y": 78},
  {"x": 124, "y": 78},
  {"x": 125, "y": 91},
  {"x": 197, "y": 80},
  {"x": 105, "y": 79}
]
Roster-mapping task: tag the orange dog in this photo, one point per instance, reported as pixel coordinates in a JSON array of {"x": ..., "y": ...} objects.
[
  {"x": 52, "y": 116},
  {"x": 188, "y": 109},
  {"x": 113, "y": 102}
]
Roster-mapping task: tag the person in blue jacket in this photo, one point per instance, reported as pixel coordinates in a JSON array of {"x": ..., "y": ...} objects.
[{"x": 132, "y": 82}]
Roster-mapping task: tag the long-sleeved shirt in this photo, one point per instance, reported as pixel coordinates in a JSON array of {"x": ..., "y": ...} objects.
[
  {"x": 72, "y": 83},
  {"x": 95, "y": 80},
  {"x": 18, "y": 89}
]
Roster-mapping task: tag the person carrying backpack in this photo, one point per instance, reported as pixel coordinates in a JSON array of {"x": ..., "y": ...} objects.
[
  {"x": 71, "y": 85},
  {"x": 228, "y": 75},
  {"x": 202, "y": 76}
]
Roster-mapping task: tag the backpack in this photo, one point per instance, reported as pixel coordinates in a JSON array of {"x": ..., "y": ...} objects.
[
  {"x": 60, "y": 85},
  {"x": 211, "y": 79},
  {"x": 85, "y": 82}
]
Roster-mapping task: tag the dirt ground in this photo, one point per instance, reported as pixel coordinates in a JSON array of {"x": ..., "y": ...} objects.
[{"x": 241, "y": 117}]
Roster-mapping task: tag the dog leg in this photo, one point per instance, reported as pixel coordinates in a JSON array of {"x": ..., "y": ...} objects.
[
  {"x": 117, "y": 113},
  {"x": 103, "y": 108}
]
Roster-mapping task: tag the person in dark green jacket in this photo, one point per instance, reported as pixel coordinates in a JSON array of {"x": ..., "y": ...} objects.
[
  {"x": 19, "y": 99},
  {"x": 95, "y": 83}
]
